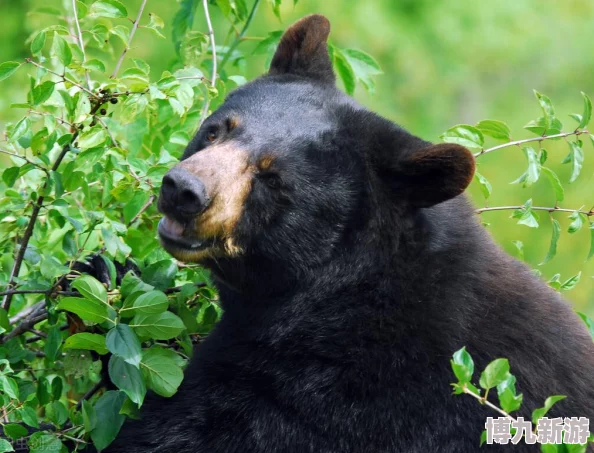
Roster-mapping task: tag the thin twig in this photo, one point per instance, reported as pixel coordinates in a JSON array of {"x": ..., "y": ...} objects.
[
  {"x": 487, "y": 403},
  {"x": 114, "y": 142},
  {"x": 63, "y": 77},
  {"x": 212, "y": 44},
  {"x": 60, "y": 120},
  {"x": 47, "y": 292},
  {"x": 25, "y": 159},
  {"x": 535, "y": 208},
  {"x": 240, "y": 36},
  {"x": 528, "y": 140},
  {"x": 147, "y": 205},
  {"x": 80, "y": 42},
  {"x": 90, "y": 393},
  {"x": 127, "y": 46},
  {"x": 27, "y": 324},
  {"x": 213, "y": 47},
  {"x": 26, "y": 311}
]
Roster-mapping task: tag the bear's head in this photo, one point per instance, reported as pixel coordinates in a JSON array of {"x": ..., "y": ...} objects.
[{"x": 290, "y": 171}]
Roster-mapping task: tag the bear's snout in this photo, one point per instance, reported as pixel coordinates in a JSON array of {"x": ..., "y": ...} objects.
[{"x": 183, "y": 195}]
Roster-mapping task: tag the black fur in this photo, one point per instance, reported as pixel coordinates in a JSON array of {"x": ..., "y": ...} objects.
[{"x": 341, "y": 316}]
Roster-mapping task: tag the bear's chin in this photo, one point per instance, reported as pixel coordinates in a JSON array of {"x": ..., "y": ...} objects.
[{"x": 182, "y": 246}]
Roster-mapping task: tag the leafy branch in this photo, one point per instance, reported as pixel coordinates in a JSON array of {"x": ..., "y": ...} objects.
[{"x": 529, "y": 140}]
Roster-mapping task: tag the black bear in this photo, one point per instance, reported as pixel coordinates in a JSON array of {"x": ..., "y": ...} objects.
[{"x": 350, "y": 268}]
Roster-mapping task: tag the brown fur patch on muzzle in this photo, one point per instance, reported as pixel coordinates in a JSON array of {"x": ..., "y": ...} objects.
[{"x": 225, "y": 172}]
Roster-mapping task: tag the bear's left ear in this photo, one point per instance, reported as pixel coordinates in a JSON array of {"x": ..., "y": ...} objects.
[
  {"x": 434, "y": 174},
  {"x": 303, "y": 50}
]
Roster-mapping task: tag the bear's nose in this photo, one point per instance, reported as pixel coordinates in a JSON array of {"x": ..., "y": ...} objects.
[{"x": 183, "y": 193}]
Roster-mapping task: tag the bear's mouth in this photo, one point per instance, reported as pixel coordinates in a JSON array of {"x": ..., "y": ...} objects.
[{"x": 174, "y": 237}]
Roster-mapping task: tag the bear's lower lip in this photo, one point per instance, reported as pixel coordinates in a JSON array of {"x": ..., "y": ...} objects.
[{"x": 171, "y": 234}]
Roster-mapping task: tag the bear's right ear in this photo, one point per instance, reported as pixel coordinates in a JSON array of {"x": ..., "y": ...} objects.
[
  {"x": 303, "y": 50},
  {"x": 433, "y": 174}
]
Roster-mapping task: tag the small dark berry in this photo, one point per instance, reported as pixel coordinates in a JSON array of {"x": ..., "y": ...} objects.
[
  {"x": 103, "y": 112},
  {"x": 113, "y": 100}
]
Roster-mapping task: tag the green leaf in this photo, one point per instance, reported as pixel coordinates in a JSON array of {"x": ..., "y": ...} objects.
[
  {"x": 465, "y": 135},
  {"x": 127, "y": 378},
  {"x": 363, "y": 66},
  {"x": 29, "y": 416},
  {"x": 578, "y": 221},
  {"x": 5, "y": 446},
  {"x": 15, "y": 431},
  {"x": 38, "y": 42},
  {"x": 133, "y": 107},
  {"x": 89, "y": 416},
  {"x": 109, "y": 420},
  {"x": 42, "y": 92},
  {"x": 53, "y": 343},
  {"x": 95, "y": 65},
  {"x": 462, "y": 365},
  {"x": 587, "y": 114},
  {"x": 526, "y": 216},
  {"x": 555, "y": 182},
  {"x": 532, "y": 174},
  {"x": 506, "y": 391},
  {"x": 345, "y": 72},
  {"x": 269, "y": 44},
  {"x": 57, "y": 413},
  {"x": 92, "y": 138},
  {"x": 484, "y": 184},
  {"x": 21, "y": 128},
  {"x": 89, "y": 310},
  {"x": 123, "y": 342},
  {"x": 151, "y": 303},
  {"x": 8, "y": 68},
  {"x": 108, "y": 8},
  {"x": 162, "y": 373},
  {"x": 183, "y": 21},
  {"x": 571, "y": 282},
  {"x": 134, "y": 206},
  {"x": 549, "y": 403},
  {"x": 576, "y": 157},
  {"x": 494, "y": 374},
  {"x": 225, "y": 7},
  {"x": 9, "y": 387},
  {"x": 275, "y": 5},
  {"x": 589, "y": 323},
  {"x": 163, "y": 326},
  {"x": 541, "y": 126},
  {"x": 88, "y": 341},
  {"x": 545, "y": 104},
  {"x": 82, "y": 108},
  {"x": 91, "y": 288},
  {"x": 10, "y": 175},
  {"x": 161, "y": 274},
  {"x": 132, "y": 284},
  {"x": 554, "y": 239},
  {"x": 61, "y": 49},
  {"x": 42, "y": 442},
  {"x": 495, "y": 129},
  {"x": 57, "y": 387}
]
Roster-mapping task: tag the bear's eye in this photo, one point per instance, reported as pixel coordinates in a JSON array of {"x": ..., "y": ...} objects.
[
  {"x": 272, "y": 180},
  {"x": 211, "y": 136}
]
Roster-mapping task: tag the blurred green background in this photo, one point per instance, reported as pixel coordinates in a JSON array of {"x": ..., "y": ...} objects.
[{"x": 445, "y": 62}]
